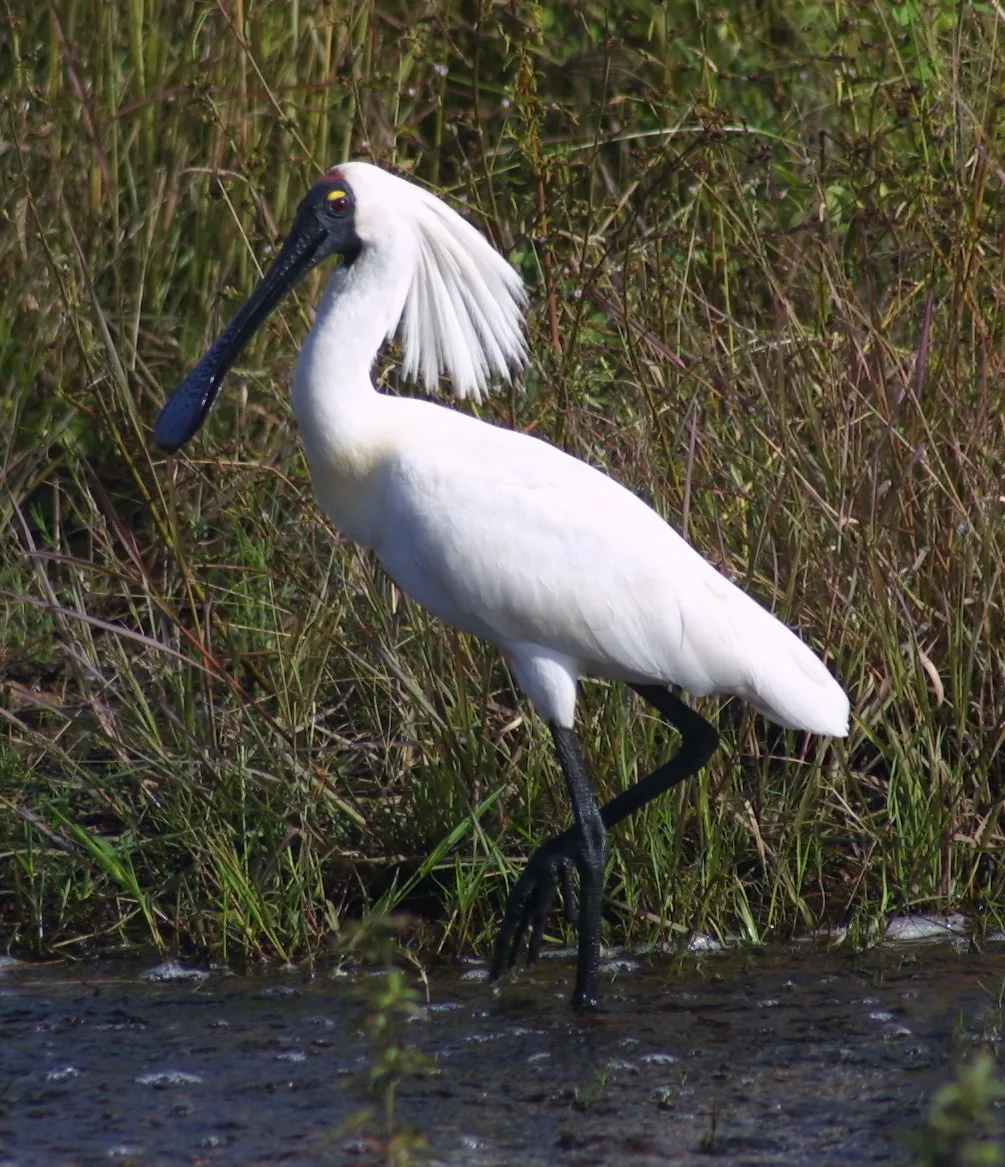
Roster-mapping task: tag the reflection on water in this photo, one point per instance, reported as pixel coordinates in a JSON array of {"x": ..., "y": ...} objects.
[{"x": 781, "y": 1056}]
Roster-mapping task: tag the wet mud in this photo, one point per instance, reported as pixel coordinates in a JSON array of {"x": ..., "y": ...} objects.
[{"x": 776, "y": 1056}]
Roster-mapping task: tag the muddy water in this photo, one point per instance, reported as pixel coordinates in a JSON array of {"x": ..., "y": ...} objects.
[{"x": 786, "y": 1056}]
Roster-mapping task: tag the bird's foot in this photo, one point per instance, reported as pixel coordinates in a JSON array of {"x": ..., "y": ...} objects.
[
  {"x": 530, "y": 902},
  {"x": 586, "y": 1000}
]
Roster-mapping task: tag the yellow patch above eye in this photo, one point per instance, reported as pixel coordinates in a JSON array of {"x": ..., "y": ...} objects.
[{"x": 332, "y": 195}]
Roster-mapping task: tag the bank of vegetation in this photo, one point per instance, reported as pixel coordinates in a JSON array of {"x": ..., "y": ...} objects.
[{"x": 764, "y": 244}]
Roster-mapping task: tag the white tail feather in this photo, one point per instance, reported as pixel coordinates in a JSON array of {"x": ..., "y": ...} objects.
[{"x": 785, "y": 680}]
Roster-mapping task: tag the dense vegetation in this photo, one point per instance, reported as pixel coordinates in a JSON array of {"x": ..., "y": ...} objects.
[{"x": 764, "y": 243}]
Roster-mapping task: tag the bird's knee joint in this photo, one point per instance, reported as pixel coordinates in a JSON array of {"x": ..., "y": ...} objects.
[{"x": 708, "y": 743}]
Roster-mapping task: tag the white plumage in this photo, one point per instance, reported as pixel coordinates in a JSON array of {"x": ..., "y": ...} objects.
[
  {"x": 497, "y": 532},
  {"x": 462, "y": 311}
]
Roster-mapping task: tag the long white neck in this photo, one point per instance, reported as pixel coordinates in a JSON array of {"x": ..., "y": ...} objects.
[
  {"x": 333, "y": 395},
  {"x": 347, "y": 427}
]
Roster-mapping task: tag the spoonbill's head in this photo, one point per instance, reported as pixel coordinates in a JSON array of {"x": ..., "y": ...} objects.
[{"x": 458, "y": 303}]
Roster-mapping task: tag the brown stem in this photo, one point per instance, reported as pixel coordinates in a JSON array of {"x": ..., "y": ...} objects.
[{"x": 549, "y": 284}]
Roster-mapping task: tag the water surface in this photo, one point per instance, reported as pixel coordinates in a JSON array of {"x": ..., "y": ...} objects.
[{"x": 776, "y": 1056}]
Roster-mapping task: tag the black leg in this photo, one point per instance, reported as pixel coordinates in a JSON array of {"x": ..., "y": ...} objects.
[
  {"x": 699, "y": 741},
  {"x": 582, "y": 845},
  {"x": 590, "y": 837}
]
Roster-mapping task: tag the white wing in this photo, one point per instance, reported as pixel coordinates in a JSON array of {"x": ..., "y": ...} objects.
[{"x": 510, "y": 538}]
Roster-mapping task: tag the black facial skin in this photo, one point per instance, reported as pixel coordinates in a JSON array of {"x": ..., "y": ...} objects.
[{"x": 324, "y": 226}]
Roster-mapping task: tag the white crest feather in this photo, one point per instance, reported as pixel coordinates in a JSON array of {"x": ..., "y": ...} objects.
[{"x": 463, "y": 310}]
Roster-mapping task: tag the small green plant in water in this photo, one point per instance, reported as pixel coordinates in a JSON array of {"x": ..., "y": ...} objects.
[
  {"x": 391, "y": 1002},
  {"x": 964, "y": 1127},
  {"x": 591, "y": 1096},
  {"x": 706, "y": 1144}
]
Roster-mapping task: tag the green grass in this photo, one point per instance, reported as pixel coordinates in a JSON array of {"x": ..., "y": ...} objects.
[
  {"x": 963, "y": 1125},
  {"x": 764, "y": 245}
]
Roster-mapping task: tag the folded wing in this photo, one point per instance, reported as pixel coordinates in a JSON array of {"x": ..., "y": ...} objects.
[{"x": 512, "y": 539}]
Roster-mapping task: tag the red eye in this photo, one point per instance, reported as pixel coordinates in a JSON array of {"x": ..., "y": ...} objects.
[{"x": 338, "y": 202}]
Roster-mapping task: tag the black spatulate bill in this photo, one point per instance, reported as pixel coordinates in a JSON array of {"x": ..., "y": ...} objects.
[{"x": 324, "y": 226}]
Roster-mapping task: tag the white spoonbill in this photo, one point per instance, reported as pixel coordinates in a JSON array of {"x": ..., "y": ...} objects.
[{"x": 498, "y": 533}]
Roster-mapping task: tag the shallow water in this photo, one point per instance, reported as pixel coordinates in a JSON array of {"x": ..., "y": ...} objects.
[{"x": 780, "y": 1056}]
